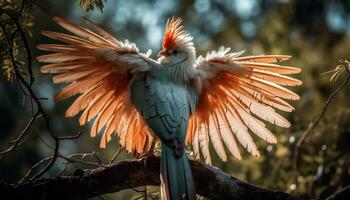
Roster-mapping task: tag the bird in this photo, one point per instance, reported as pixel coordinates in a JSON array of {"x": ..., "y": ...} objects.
[{"x": 177, "y": 101}]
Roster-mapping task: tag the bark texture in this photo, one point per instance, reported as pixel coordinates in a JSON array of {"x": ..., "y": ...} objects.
[{"x": 210, "y": 182}]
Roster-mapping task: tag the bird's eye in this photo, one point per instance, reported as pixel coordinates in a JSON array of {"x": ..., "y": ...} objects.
[{"x": 174, "y": 52}]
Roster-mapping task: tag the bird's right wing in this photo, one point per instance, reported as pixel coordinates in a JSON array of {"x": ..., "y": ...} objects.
[
  {"x": 234, "y": 93},
  {"x": 99, "y": 68}
]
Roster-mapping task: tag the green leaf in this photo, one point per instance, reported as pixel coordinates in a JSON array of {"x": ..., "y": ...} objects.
[
  {"x": 9, "y": 72},
  {"x": 89, "y": 5}
]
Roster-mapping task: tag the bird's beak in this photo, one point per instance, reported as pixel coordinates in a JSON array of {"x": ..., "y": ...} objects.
[{"x": 163, "y": 52}]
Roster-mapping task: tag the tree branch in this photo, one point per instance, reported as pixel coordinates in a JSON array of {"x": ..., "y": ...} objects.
[
  {"x": 313, "y": 124},
  {"x": 342, "y": 194},
  {"x": 210, "y": 182},
  {"x": 27, "y": 89}
]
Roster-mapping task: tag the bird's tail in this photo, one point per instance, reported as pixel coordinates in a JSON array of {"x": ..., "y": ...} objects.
[{"x": 176, "y": 176}]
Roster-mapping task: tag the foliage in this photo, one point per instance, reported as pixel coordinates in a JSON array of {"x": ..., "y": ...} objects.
[
  {"x": 9, "y": 73},
  {"x": 10, "y": 10},
  {"x": 89, "y": 5}
]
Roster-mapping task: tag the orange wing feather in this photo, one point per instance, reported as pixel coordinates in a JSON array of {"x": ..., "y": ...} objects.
[
  {"x": 102, "y": 85},
  {"x": 235, "y": 93}
]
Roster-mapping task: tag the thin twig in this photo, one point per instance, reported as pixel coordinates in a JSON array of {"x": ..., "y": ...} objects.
[
  {"x": 73, "y": 160},
  {"x": 64, "y": 169},
  {"x": 25, "y": 178},
  {"x": 313, "y": 124},
  {"x": 139, "y": 197},
  {"x": 98, "y": 159},
  {"x": 77, "y": 136},
  {"x": 100, "y": 197},
  {"x": 115, "y": 156},
  {"x": 340, "y": 194},
  {"x": 48, "y": 166},
  {"x": 28, "y": 86},
  {"x": 136, "y": 190},
  {"x": 18, "y": 141},
  {"x": 70, "y": 157}
]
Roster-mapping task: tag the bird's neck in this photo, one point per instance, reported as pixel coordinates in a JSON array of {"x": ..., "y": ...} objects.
[{"x": 182, "y": 72}]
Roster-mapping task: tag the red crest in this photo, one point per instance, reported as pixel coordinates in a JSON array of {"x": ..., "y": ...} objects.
[{"x": 173, "y": 30}]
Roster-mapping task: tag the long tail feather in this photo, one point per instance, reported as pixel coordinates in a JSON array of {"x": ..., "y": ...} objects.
[{"x": 176, "y": 176}]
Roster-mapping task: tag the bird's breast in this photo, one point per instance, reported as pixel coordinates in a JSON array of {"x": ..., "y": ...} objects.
[
  {"x": 148, "y": 90},
  {"x": 165, "y": 105}
]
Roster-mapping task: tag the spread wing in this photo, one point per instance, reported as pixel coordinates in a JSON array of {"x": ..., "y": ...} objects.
[
  {"x": 99, "y": 68},
  {"x": 236, "y": 95}
]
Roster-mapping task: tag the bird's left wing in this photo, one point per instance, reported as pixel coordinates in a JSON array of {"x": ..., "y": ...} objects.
[
  {"x": 99, "y": 68},
  {"x": 234, "y": 92}
]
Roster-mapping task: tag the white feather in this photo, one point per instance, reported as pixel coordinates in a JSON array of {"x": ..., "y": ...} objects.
[
  {"x": 227, "y": 136},
  {"x": 241, "y": 133},
  {"x": 216, "y": 138},
  {"x": 204, "y": 144}
]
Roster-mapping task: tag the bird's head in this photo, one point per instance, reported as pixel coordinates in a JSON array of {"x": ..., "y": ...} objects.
[{"x": 177, "y": 44}]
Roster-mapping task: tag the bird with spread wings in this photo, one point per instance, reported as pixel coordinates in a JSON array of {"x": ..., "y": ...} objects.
[{"x": 178, "y": 100}]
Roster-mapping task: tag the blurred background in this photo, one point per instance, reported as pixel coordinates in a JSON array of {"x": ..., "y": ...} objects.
[{"x": 316, "y": 33}]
